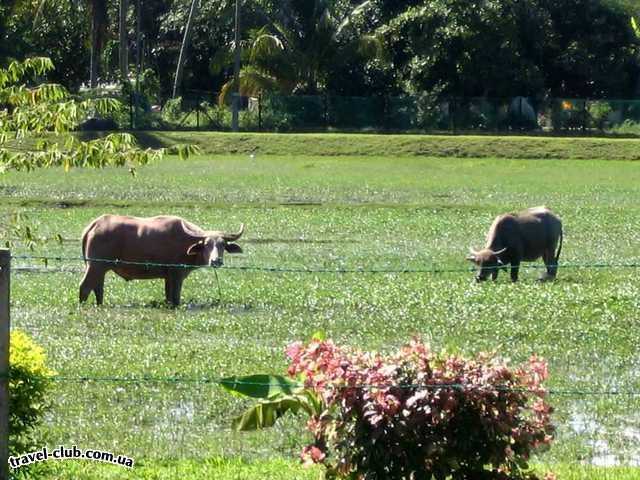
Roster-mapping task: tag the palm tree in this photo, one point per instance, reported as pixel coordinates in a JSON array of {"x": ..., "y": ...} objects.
[{"x": 295, "y": 52}]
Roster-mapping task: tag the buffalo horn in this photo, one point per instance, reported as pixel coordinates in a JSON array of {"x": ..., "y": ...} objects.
[{"x": 230, "y": 237}]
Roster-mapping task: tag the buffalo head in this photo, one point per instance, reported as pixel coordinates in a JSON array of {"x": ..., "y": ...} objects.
[
  {"x": 210, "y": 248},
  {"x": 487, "y": 261}
]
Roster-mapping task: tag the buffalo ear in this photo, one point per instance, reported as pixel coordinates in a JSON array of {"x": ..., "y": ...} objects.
[
  {"x": 471, "y": 258},
  {"x": 233, "y": 248},
  {"x": 195, "y": 248}
]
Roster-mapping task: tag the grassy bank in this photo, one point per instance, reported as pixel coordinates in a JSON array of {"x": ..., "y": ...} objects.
[{"x": 395, "y": 146}]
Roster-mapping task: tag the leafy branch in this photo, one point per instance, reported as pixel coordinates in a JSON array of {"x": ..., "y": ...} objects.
[
  {"x": 36, "y": 125},
  {"x": 37, "y": 121}
]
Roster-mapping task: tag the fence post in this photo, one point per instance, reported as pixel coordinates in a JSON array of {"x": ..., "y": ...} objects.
[
  {"x": 325, "y": 112},
  {"x": 260, "y": 112},
  {"x": 454, "y": 112},
  {"x": 5, "y": 276},
  {"x": 385, "y": 112}
]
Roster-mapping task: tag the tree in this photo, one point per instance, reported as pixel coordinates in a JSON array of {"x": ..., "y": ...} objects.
[
  {"x": 123, "y": 44},
  {"x": 36, "y": 122},
  {"x": 28, "y": 32},
  {"x": 99, "y": 22},
  {"x": 590, "y": 50},
  {"x": 466, "y": 48},
  {"x": 500, "y": 48},
  {"x": 298, "y": 48},
  {"x": 6, "y": 9}
]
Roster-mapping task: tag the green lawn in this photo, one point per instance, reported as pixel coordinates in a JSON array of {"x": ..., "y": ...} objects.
[{"x": 332, "y": 211}]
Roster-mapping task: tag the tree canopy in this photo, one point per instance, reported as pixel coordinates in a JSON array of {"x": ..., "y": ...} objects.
[{"x": 492, "y": 48}]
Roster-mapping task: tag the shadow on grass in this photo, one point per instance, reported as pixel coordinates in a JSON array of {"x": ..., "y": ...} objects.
[
  {"x": 146, "y": 139},
  {"x": 161, "y": 305}
]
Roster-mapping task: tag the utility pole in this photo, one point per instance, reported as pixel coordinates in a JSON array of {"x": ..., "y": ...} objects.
[{"x": 236, "y": 73}]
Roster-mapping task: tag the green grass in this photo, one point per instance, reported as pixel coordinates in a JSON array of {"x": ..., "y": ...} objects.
[
  {"x": 218, "y": 469},
  {"x": 308, "y": 211},
  {"x": 278, "y": 469},
  {"x": 396, "y": 146}
]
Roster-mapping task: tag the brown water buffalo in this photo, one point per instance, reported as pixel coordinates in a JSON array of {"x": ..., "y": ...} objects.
[
  {"x": 515, "y": 237},
  {"x": 111, "y": 239}
]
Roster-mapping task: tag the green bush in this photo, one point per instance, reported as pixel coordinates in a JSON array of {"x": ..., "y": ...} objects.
[
  {"x": 628, "y": 127},
  {"x": 172, "y": 110},
  {"x": 217, "y": 117},
  {"x": 284, "y": 113},
  {"x": 29, "y": 385},
  {"x": 599, "y": 114},
  {"x": 181, "y": 113},
  {"x": 408, "y": 415}
]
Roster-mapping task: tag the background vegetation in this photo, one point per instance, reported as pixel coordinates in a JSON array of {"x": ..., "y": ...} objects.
[{"x": 494, "y": 48}]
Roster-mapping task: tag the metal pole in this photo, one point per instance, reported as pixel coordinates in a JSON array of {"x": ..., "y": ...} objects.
[
  {"x": 5, "y": 276},
  {"x": 236, "y": 72}
]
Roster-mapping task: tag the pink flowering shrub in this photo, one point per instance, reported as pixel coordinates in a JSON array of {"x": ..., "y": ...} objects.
[{"x": 415, "y": 414}]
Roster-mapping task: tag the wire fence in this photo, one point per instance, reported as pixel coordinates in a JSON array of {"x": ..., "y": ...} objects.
[
  {"x": 177, "y": 392},
  {"x": 439, "y": 386},
  {"x": 433, "y": 269},
  {"x": 200, "y": 110},
  {"x": 219, "y": 380}
]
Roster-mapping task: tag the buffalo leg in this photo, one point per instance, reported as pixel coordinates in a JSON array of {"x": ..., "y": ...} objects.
[
  {"x": 177, "y": 290},
  {"x": 99, "y": 292},
  {"x": 93, "y": 280},
  {"x": 168, "y": 289},
  {"x": 172, "y": 288},
  {"x": 85, "y": 288},
  {"x": 494, "y": 274},
  {"x": 550, "y": 262},
  {"x": 515, "y": 268}
]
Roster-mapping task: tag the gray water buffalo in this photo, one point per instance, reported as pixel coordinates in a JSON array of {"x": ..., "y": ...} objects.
[
  {"x": 515, "y": 237},
  {"x": 119, "y": 243}
]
